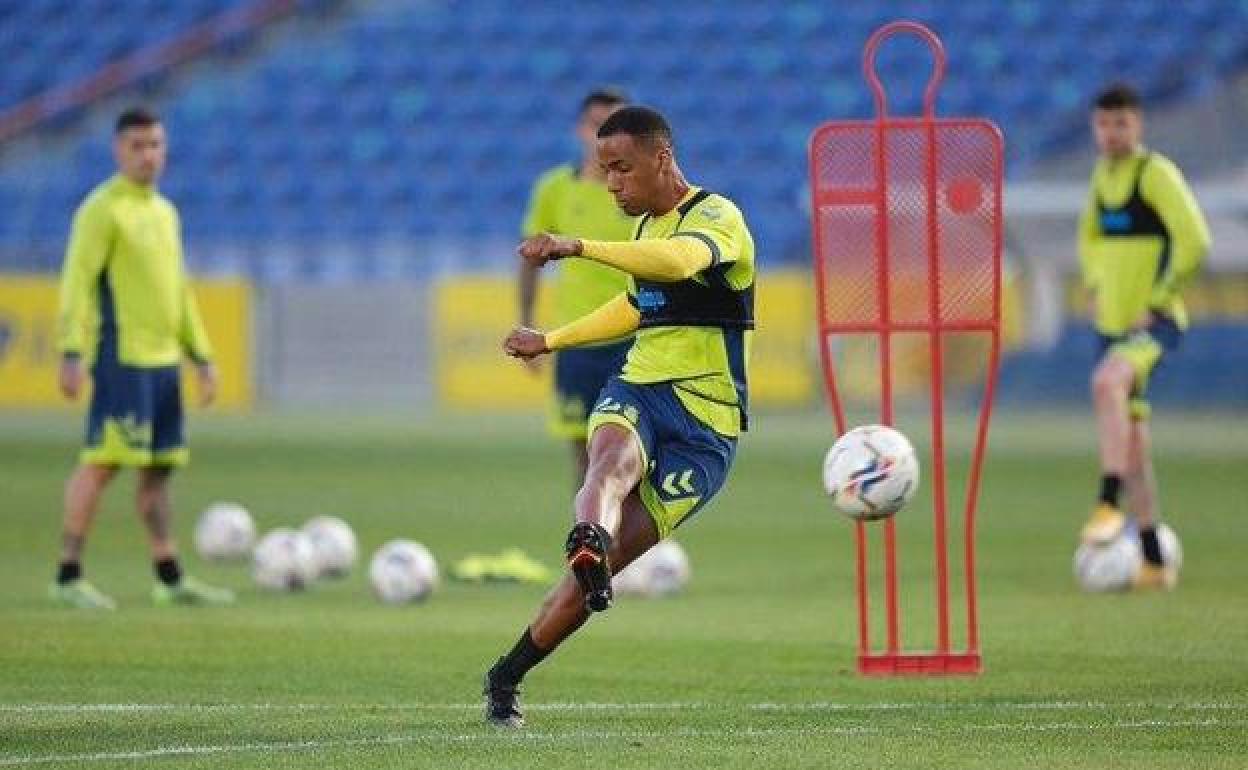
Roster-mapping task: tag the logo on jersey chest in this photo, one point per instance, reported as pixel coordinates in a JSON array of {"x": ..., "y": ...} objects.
[
  {"x": 650, "y": 299},
  {"x": 1116, "y": 221}
]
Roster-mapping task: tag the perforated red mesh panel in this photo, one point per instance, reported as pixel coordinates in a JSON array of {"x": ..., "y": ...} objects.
[
  {"x": 855, "y": 214},
  {"x": 968, "y": 177}
]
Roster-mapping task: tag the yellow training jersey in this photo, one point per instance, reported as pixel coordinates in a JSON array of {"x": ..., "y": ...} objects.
[
  {"x": 1141, "y": 239},
  {"x": 123, "y": 276},
  {"x": 565, "y": 203},
  {"x": 697, "y": 333}
]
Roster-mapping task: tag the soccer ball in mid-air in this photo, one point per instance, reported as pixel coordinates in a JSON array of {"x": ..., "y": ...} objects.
[
  {"x": 871, "y": 472},
  {"x": 661, "y": 571},
  {"x": 224, "y": 531},
  {"x": 284, "y": 560},
  {"x": 334, "y": 544},
  {"x": 403, "y": 571}
]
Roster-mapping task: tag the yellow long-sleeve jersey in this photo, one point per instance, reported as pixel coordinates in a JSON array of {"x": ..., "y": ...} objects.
[
  {"x": 1141, "y": 239},
  {"x": 124, "y": 282}
]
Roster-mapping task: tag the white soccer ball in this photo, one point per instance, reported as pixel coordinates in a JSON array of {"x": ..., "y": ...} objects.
[
  {"x": 403, "y": 571},
  {"x": 871, "y": 472},
  {"x": 284, "y": 560},
  {"x": 1108, "y": 567},
  {"x": 661, "y": 571},
  {"x": 224, "y": 531},
  {"x": 334, "y": 544}
]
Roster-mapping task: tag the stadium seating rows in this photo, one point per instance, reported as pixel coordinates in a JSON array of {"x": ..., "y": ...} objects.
[
  {"x": 55, "y": 42},
  {"x": 430, "y": 120}
]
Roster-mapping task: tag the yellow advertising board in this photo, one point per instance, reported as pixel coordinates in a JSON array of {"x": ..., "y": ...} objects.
[
  {"x": 473, "y": 313},
  {"x": 29, "y": 360}
]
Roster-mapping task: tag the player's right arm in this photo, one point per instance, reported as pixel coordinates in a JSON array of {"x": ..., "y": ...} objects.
[
  {"x": 613, "y": 320},
  {"x": 1090, "y": 263},
  {"x": 90, "y": 240},
  {"x": 652, "y": 259},
  {"x": 539, "y": 217},
  {"x": 1089, "y": 232},
  {"x": 711, "y": 235}
]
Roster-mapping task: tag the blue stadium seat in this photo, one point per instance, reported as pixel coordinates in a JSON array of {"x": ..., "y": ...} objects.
[{"x": 373, "y": 123}]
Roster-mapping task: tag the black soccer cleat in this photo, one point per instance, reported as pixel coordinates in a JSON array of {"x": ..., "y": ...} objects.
[
  {"x": 587, "y": 558},
  {"x": 502, "y": 703}
]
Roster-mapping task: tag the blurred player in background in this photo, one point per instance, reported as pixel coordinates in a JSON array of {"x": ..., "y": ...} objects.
[
  {"x": 1141, "y": 239},
  {"x": 573, "y": 200},
  {"x": 124, "y": 287},
  {"x": 663, "y": 433}
]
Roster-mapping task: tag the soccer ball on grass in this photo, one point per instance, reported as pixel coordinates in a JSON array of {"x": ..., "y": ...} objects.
[
  {"x": 403, "y": 571},
  {"x": 224, "y": 531},
  {"x": 284, "y": 560},
  {"x": 1109, "y": 567},
  {"x": 334, "y": 545},
  {"x": 661, "y": 571}
]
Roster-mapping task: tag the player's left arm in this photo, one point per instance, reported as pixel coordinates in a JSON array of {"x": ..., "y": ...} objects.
[
  {"x": 617, "y": 318},
  {"x": 193, "y": 336},
  {"x": 194, "y": 339},
  {"x": 1163, "y": 186}
]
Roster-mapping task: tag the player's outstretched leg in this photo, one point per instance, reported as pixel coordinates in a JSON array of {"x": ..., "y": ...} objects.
[
  {"x": 586, "y": 550},
  {"x": 560, "y": 615},
  {"x": 1141, "y": 485},
  {"x": 1111, "y": 390},
  {"x": 615, "y": 467}
]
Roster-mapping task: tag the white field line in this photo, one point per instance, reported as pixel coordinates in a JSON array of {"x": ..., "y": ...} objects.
[
  {"x": 526, "y": 736},
  {"x": 77, "y": 708}
]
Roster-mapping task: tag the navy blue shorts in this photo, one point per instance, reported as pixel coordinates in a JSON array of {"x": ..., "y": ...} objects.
[
  {"x": 135, "y": 416},
  {"x": 1144, "y": 350},
  {"x": 580, "y": 375},
  {"x": 686, "y": 461}
]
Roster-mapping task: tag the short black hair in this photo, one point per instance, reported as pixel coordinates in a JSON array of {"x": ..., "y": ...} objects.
[
  {"x": 643, "y": 123},
  {"x": 136, "y": 117},
  {"x": 607, "y": 96},
  {"x": 1117, "y": 96}
]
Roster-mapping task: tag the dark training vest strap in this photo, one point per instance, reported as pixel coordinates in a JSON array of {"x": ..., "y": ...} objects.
[
  {"x": 1134, "y": 218},
  {"x": 691, "y": 302}
]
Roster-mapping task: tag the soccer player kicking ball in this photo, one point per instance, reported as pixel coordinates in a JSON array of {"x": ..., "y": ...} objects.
[
  {"x": 1141, "y": 238},
  {"x": 124, "y": 286},
  {"x": 664, "y": 431}
]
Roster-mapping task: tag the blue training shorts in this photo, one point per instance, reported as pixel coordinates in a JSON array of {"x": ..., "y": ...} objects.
[
  {"x": 686, "y": 462},
  {"x": 1144, "y": 350},
  {"x": 580, "y": 375},
  {"x": 135, "y": 416}
]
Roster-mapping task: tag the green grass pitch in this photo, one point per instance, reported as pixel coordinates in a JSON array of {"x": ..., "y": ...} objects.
[{"x": 751, "y": 667}]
